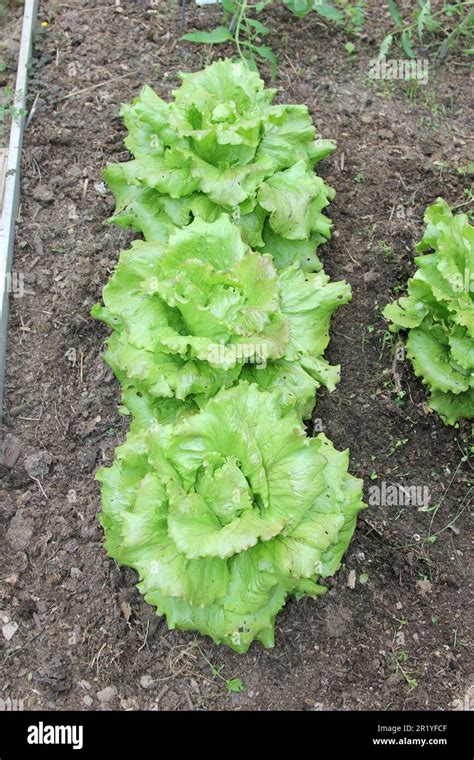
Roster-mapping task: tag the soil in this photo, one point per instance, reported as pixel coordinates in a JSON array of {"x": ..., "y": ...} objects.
[
  {"x": 392, "y": 631},
  {"x": 10, "y": 33}
]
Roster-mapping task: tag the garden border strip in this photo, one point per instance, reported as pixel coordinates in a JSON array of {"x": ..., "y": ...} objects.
[{"x": 11, "y": 191}]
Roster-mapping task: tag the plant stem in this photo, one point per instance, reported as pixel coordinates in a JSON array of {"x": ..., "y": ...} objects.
[
  {"x": 183, "y": 16},
  {"x": 457, "y": 30},
  {"x": 243, "y": 8},
  {"x": 433, "y": 15}
]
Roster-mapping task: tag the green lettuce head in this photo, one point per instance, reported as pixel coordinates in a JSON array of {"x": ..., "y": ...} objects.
[
  {"x": 221, "y": 145},
  {"x": 204, "y": 310},
  {"x": 439, "y": 313},
  {"x": 227, "y": 512}
]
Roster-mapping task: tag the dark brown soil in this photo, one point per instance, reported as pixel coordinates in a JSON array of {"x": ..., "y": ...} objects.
[{"x": 82, "y": 626}]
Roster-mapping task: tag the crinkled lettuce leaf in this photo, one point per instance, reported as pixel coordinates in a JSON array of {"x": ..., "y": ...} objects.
[{"x": 227, "y": 512}]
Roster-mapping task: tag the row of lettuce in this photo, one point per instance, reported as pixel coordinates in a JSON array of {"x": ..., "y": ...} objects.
[{"x": 220, "y": 319}]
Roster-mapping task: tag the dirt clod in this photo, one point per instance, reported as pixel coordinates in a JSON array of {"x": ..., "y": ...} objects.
[
  {"x": 37, "y": 464},
  {"x": 20, "y": 532}
]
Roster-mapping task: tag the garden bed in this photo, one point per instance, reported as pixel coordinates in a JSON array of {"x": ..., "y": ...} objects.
[{"x": 392, "y": 630}]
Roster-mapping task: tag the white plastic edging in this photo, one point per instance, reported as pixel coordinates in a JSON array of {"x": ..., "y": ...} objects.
[{"x": 11, "y": 194}]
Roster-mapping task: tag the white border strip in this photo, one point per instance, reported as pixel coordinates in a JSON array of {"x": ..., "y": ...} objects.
[{"x": 11, "y": 196}]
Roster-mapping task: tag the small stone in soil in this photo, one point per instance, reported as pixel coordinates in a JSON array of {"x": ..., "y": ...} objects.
[
  {"x": 20, "y": 532},
  {"x": 37, "y": 464},
  {"x": 9, "y": 630},
  {"x": 10, "y": 451},
  {"x": 105, "y": 695}
]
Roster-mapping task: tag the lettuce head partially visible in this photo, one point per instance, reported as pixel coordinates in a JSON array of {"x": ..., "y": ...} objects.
[
  {"x": 438, "y": 313},
  {"x": 227, "y": 512},
  {"x": 203, "y": 311},
  {"x": 222, "y": 146}
]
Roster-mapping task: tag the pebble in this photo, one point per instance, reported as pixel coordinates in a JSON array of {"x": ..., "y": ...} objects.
[
  {"x": 20, "y": 532},
  {"x": 105, "y": 695},
  {"x": 351, "y": 579},
  {"x": 10, "y": 451},
  {"x": 9, "y": 630}
]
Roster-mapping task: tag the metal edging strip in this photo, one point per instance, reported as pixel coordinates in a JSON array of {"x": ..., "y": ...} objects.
[{"x": 11, "y": 193}]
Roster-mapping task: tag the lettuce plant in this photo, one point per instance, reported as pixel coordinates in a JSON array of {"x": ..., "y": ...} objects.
[
  {"x": 222, "y": 146},
  {"x": 226, "y": 513},
  {"x": 202, "y": 311},
  {"x": 439, "y": 313}
]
